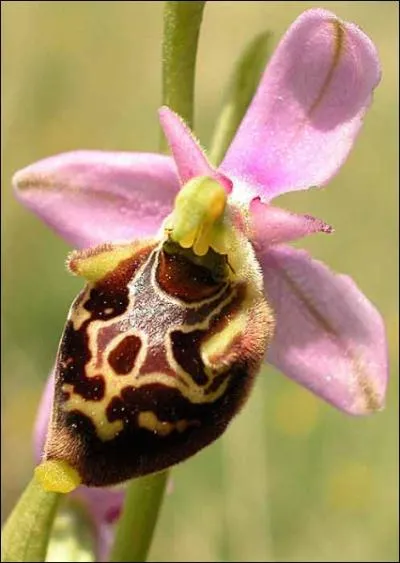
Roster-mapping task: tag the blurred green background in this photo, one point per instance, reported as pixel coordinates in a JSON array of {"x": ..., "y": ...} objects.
[{"x": 292, "y": 479}]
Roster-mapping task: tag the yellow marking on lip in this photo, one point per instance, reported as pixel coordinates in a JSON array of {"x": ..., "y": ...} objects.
[
  {"x": 94, "y": 264},
  {"x": 218, "y": 343},
  {"x": 95, "y": 411},
  {"x": 150, "y": 421},
  {"x": 79, "y": 315},
  {"x": 215, "y": 349}
]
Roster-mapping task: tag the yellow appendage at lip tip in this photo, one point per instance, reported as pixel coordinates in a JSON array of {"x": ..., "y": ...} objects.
[{"x": 57, "y": 476}]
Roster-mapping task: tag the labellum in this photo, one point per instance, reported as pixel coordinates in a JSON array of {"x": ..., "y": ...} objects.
[{"x": 161, "y": 347}]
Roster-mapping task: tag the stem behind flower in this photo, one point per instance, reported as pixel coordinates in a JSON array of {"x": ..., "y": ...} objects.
[
  {"x": 144, "y": 496},
  {"x": 182, "y": 22},
  {"x": 142, "y": 506}
]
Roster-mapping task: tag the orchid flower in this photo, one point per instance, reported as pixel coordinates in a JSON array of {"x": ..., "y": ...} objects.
[{"x": 297, "y": 133}]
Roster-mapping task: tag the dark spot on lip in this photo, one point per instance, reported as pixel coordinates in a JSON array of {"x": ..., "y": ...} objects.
[
  {"x": 74, "y": 355},
  {"x": 106, "y": 304},
  {"x": 122, "y": 358},
  {"x": 186, "y": 350},
  {"x": 92, "y": 388},
  {"x": 187, "y": 281},
  {"x": 218, "y": 380}
]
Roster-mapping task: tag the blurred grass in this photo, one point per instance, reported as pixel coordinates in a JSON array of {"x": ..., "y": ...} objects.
[{"x": 292, "y": 480}]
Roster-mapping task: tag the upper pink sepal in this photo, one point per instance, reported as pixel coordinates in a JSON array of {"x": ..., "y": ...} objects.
[
  {"x": 91, "y": 197},
  {"x": 328, "y": 336},
  {"x": 274, "y": 225},
  {"x": 308, "y": 108},
  {"x": 188, "y": 155}
]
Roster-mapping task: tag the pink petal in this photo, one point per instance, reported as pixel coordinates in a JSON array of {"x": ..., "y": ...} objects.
[
  {"x": 273, "y": 225},
  {"x": 309, "y": 106},
  {"x": 188, "y": 155},
  {"x": 90, "y": 197},
  {"x": 328, "y": 337},
  {"x": 104, "y": 505}
]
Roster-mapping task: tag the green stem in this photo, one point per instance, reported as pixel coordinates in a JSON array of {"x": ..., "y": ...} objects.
[
  {"x": 181, "y": 32},
  {"x": 26, "y": 533},
  {"x": 182, "y": 22},
  {"x": 139, "y": 518}
]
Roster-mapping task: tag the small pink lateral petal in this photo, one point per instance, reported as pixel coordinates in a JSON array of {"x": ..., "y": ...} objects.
[
  {"x": 273, "y": 225},
  {"x": 189, "y": 157},
  {"x": 328, "y": 336},
  {"x": 91, "y": 197},
  {"x": 309, "y": 106}
]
